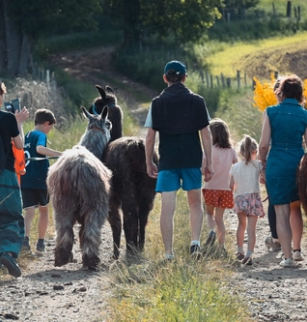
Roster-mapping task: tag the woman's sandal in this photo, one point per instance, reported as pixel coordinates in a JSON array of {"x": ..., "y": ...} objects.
[{"x": 247, "y": 261}]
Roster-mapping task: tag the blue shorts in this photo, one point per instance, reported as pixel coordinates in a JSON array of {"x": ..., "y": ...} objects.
[{"x": 172, "y": 180}]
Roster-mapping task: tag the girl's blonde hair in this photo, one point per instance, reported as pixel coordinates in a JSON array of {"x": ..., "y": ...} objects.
[
  {"x": 247, "y": 146},
  {"x": 220, "y": 133}
]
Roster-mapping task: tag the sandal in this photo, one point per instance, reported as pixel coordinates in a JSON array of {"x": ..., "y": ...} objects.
[{"x": 247, "y": 261}]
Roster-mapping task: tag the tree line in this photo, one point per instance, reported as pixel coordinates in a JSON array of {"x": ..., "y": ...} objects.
[{"x": 22, "y": 24}]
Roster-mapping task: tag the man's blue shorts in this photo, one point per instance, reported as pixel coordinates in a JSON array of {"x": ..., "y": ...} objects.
[{"x": 172, "y": 180}]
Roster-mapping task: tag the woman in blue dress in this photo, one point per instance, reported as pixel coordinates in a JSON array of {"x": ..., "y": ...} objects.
[{"x": 284, "y": 126}]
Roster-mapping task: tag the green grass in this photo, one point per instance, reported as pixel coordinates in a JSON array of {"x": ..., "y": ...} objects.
[
  {"x": 183, "y": 290},
  {"x": 281, "y": 6},
  {"x": 233, "y": 57}
]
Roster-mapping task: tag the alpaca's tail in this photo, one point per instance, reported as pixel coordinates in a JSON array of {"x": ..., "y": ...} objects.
[{"x": 302, "y": 182}]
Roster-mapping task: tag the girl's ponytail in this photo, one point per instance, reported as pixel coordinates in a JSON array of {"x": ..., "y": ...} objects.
[{"x": 247, "y": 146}]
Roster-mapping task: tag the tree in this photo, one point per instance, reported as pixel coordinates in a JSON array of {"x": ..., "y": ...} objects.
[
  {"x": 25, "y": 24},
  {"x": 185, "y": 19}
]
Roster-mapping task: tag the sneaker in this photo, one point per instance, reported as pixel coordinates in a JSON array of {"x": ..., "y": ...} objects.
[
  {"x": 40, "y": 248},
  {"x": 195, "y": 252},
  {"x": 26, "y": 244},
  {"x": 297, "y": 256},
  {"x": 9, "y": 262},
  {"x": 239, "y": 256},
  {"x": 211, "y": 239},
  {"x": 269, "y": 243},
  {"x": 287, "y": 262},
  {"x": 247, "y": 261}
]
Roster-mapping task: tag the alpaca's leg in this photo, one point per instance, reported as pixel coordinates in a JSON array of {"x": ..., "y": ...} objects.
[
  {"x": 90, "y": 238},
  {"x": 116, "y": 225},
  {"x": 144, "y": 210},
  {"x": 131, "y": 225},
  {"x": 64, "y": 237}
]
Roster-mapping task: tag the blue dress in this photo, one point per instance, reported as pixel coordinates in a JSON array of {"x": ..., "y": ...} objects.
[{"x": 288, "y": 122}]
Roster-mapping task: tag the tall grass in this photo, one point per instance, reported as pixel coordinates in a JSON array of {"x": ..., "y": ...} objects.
[{"x": 182, "y": 290}]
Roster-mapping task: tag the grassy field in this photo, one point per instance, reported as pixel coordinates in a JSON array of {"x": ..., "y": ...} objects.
[
  {"x": 281, "y": 6},
  {"x": 239, "y": 56}
]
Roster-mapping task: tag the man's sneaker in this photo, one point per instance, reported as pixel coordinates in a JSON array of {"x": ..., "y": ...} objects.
[
  {"x": 9, "y": 262},
  {"x": 26, "y": 244},
  {"x": 297, "y": 256},
  {"x": 269, "y": 243},
  {"x": 287, "y": 262},
  {"x": 40, "y": 248},
  {"x": 211, "y": 239},
  {"x": 195, "y": 252}
]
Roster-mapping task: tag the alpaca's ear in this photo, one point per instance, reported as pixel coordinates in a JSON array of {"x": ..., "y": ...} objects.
[
  {"x": 109, "y": 89},
  {"x": 101, "y": 91},
  {"x": 86, "y": 113},
  {"x": 104, "y": 112}
]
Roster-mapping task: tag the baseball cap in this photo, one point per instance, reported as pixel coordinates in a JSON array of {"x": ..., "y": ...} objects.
[{"x": 177, "y": 66}]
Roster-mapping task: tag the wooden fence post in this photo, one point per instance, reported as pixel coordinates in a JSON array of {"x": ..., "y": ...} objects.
[
  {"x": 274, "y": 9},
  {"x": 228, "y": 16},
  {"x": 238, "y": 78},
  {"x": 201, "y": 74},
  {"x": 217, "y": 81},
  {"x": 223, "y": 80},
  {"x": 207, "y": 79},
  {"x": 228, "y": 81},
  {"x": 289, "y": 9}
]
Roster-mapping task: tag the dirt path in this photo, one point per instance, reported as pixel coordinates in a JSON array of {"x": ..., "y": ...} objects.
[{"x": 45, "y": 293}]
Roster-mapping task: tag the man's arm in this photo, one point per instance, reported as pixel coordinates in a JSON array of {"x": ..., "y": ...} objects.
[
  {"x": 152, "y": 169},
  {"x": 207, "y": 168}
]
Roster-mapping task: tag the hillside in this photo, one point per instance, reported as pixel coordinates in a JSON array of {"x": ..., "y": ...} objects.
[{"x": 260, "y": 58}]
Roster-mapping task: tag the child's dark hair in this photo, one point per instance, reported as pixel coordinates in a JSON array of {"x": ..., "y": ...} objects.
[
  {"x": 44, "y": 115},
  {"x": 172, "y": 76},
  {"x": 291, "y": 87},
  {"x": 220, "y": 134},
  {"x": 247, "y": 146}
]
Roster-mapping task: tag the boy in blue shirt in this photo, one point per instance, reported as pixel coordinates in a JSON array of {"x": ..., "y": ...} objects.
[{"x": 33, "y": 183}]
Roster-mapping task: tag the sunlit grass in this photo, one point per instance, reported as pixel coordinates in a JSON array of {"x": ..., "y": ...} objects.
[
  {"x": 233, "y": 57},
  {"x": 281, "y": 6},
  {"x": 183, "y": 290}
]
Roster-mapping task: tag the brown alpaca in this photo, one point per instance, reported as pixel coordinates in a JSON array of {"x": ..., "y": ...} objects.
[
  {"x": 132, "y": 190},
  {"x": 302, "y": 182},
  {"x": 79, "y": 187}
]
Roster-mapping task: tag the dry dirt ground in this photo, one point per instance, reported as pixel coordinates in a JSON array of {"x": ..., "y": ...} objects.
[{"x": 48, "y": 294}]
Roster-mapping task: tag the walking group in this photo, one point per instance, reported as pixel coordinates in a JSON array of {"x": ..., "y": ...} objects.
[{"x": 191, "y": 145}]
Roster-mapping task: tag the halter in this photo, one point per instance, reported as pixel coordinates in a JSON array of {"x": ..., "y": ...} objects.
[{"x": 94, "y": 108}]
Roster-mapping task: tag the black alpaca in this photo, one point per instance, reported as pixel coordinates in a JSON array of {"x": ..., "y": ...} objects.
[
  {"x": 108, "y": 98},
  {"x": 132, "y": 190}
]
